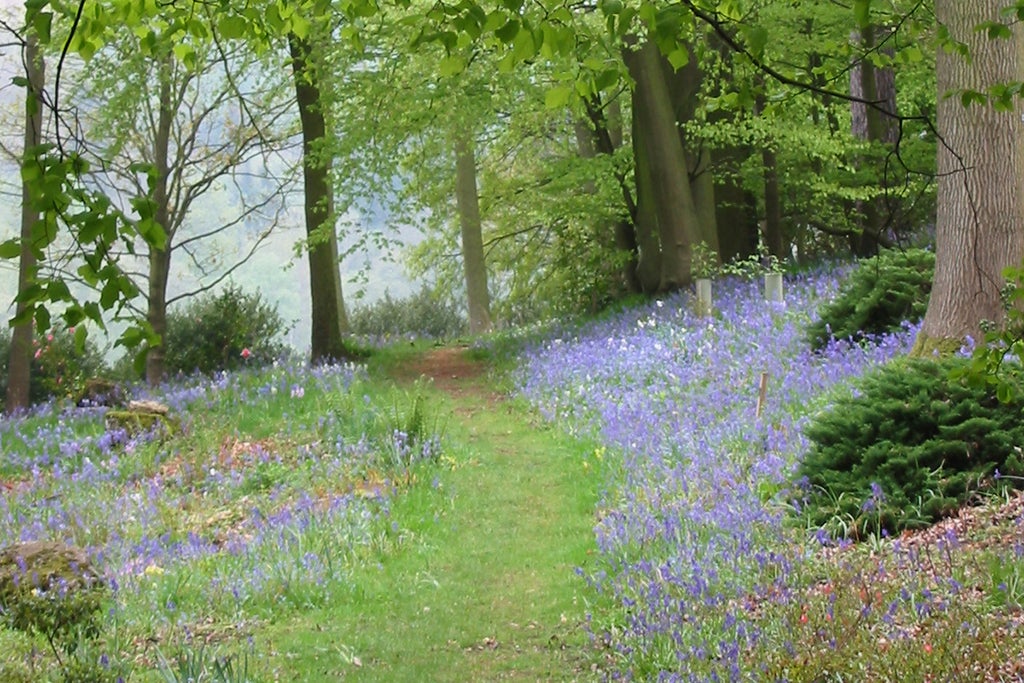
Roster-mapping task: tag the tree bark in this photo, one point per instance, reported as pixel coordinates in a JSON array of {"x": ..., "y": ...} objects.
[
  {"x": 980, "y": 213},
  {"x": 329, "y": 323},
  {"x": 19, "y": 362},
  {"x": 684, "y": 86},
  {"x": 872, "y": 84},
  {"x": 648, "y": 267},
  {"x": 670, "y": 194},
  {"x": 594, "y": 136},
  {"x": 473, "y": 264},
  {"x": 735, "y": 207},
  {"x": 773, "y": 237},
  {"x": 160, "y": 259}
]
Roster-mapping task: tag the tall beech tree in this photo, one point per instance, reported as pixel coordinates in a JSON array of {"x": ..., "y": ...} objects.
[
  {"x": 979, "y": 228},
  {"x": 19, "y": 362},
  {"x": 468, "y": 203},
  {"x": 329, "y": 320}
]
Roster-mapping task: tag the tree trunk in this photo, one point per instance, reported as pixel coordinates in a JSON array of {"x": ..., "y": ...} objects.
[
  {"x": 19, "y": 362},
  {"x": 702, "y": 186},
  {"x": 648, "y": 267},
  {"x": 684, "y": 86},
  {"x": 594, "y": 136},
  {"x": 474, "y": 267},
  {"x": 735, "y": 207},
  {"x": 160, "y": 259},
  {"x": 872, "y": 84},
  {"x": 980, "y": 214},
  {"x": 656, "y": 130},
  {"x": 329, "y": 324},
  {"x": 773, "y": 237}
]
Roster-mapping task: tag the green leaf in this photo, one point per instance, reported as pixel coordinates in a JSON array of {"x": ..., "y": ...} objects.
[
  {"x": 558, "y": 97},
  {"x": 995, "y": 30},
  {"x": 109, "y": 294},
  {"x": 42, "y": 23},
  {"x": 524, "y": 47},
  {"x": 299, "y": 26},
  {"x": 184, "y": 52},
  {"x": 969, "y": 97},
  {"x": 58, "y": 291},
  {"x": 232, "y": 27},
  {"x": 679, "y": 58},
  {"x": 757, "y": 39},
  {"x": 508, "y": 32},
  {"x": 494, "y": 20},
  {"x": 88, "y": 273},
  {"x": 81, "y": 335},
  {"x": 862, "y": 12},
  {"x": 606, "y": 79},
  {"x": 451, "y": 65},
  {"x": 10, "y": 249},
  {"x": 611, "y": 6}
]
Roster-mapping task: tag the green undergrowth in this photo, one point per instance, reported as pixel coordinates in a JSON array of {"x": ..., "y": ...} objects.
[
  {"x": 879, "y": 296},
  {"x": 910, "y": 446},
  {"x": 482, "y": 586},
  {"x": 454, "y": 558}
]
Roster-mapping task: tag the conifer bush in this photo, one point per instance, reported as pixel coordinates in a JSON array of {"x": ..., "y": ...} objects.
[
  {"x": 910, "y": 446},
  {"x": 223, "y": 331},
  {"x": 877, "y": 297}
]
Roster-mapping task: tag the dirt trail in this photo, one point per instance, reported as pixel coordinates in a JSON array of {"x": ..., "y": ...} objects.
[{"x": 519, "y": 525}]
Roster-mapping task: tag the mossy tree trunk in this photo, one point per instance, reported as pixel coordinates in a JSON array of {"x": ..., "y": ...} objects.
[
  {"x": 980, "y": 214},
  {"x": 19, "y": 361}
]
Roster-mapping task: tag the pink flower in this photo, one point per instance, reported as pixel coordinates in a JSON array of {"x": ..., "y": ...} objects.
[
  {"x": 39, "y": 352},
  {"x": 246, "y": 353}
]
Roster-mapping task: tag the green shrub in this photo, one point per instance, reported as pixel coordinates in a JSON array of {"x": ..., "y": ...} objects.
[
  {"x": 58, "y": 370},
  {"x": 909, "y": 447},
  {"x": 423, "y": 314},
  {"x": 877, "y": 297},
  {"x": 223, "y": 331}
]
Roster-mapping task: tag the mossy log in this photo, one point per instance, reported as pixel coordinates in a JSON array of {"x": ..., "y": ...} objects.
[{"x": 143, "y": 416}]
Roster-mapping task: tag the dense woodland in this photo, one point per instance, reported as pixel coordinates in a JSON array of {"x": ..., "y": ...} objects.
[
  {"x": 559, "y": 156},
  {"x": 820, "y": 486}
]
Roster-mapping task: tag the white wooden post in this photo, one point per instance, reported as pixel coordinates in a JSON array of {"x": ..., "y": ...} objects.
[
  {"x": 773, "y": 288},
  {"x": 703, "y": 297}
]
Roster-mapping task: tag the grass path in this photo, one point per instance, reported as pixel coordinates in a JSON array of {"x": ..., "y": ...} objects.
[{"x": 483, "y": 586}]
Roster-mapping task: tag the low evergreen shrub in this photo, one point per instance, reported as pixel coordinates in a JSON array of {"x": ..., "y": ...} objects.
[
  {"x": 223, "y": 331},
  {"x": 910, "y": 446},
  {"x": 877, "y": 297}
]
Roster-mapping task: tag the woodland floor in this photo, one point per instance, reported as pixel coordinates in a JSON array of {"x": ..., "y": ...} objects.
[{"x": 485, "y": 587}]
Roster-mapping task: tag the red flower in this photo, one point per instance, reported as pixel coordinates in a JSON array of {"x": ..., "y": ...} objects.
[{"x": 246, "y": 353}]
